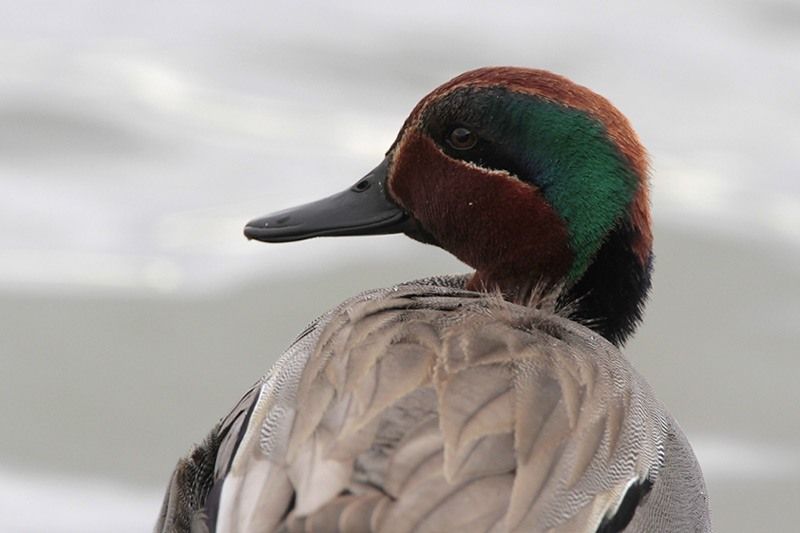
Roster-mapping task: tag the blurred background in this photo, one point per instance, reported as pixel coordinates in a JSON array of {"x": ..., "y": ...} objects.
[{"x": 136, "y": 138}]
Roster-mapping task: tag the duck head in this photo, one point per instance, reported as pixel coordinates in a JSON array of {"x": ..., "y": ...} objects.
[{"x": 523, "y": 175}]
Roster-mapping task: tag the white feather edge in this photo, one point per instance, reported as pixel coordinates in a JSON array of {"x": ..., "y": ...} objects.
[
  {"x": 251, "y": 474},
  {"x": 607, "y": 505},
  {"x": 242, "y": 502}
]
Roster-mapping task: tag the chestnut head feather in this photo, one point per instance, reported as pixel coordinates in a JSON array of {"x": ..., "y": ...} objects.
[{"x": 522, "y": 174}]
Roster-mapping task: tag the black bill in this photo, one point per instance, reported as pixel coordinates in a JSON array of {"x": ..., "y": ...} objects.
[{"x": 363, "y": 209}]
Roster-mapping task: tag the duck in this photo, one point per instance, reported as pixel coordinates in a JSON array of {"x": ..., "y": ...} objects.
[{"x": 497, "y": 401}]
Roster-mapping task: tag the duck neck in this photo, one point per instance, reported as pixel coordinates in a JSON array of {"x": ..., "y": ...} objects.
[
  {"x": 608, "y": 298},
  {"x": 522, "y": 290}
]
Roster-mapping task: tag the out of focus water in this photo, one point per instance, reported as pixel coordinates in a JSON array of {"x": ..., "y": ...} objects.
[{"x": 136, "y": 139}]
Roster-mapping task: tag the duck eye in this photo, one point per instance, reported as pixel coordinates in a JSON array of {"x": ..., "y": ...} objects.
[{"x": 462, "y": 139}]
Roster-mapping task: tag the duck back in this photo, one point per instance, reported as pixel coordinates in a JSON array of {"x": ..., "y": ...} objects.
[{"x": 428, "y": 407}]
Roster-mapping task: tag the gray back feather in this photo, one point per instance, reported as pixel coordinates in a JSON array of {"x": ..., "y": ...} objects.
[{"x": 425, "y": 407}]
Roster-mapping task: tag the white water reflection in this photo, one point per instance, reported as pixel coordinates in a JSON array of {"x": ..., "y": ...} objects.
[
  {"x": 35, "y": 503},
  {"x": 735, "y": 460}
]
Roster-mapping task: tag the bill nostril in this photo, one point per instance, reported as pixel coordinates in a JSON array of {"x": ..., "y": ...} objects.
[{"x": 362, "y": 186}]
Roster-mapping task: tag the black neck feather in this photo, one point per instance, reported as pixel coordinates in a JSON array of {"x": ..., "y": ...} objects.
[{"x": 610, "y": 296}]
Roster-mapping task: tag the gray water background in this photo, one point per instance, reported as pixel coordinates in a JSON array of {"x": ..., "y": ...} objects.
[{"x": 136, "y": 139}]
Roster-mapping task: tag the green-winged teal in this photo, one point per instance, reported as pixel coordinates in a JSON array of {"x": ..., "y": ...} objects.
[{"x": 493, "y": 402}]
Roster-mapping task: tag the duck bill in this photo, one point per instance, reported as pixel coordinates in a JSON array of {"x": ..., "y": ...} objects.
[{"x": 363, "y": 209}]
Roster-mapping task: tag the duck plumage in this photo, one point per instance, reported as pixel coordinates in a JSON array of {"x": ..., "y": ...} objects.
[{"x": 493, "y": 402}]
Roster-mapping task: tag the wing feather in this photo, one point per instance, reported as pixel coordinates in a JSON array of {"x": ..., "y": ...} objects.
[{"x": 413, "y": 410}]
